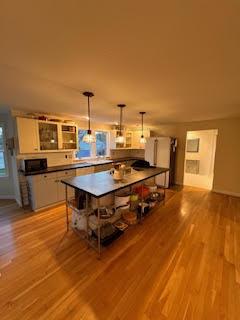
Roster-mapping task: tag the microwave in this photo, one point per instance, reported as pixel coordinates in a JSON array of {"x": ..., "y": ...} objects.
[{"x": 32, "y": 165}]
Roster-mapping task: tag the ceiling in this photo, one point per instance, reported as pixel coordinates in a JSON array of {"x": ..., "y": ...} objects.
[{"x": 179, "y": 61}]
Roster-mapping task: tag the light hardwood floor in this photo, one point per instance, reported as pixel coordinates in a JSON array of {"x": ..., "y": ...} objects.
[{"x": 183, "y": 262}]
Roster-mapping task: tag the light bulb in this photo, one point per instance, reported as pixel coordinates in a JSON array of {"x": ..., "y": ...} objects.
[
  {"x": 89, "y": 138},
  {"x": 120, "y": 139},
  {"x": 142, "y": 140}
]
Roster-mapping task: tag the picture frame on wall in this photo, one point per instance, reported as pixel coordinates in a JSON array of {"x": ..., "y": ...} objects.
[
  {"x": 193, "y": 145},
  {"x": 192, "y": 166}
]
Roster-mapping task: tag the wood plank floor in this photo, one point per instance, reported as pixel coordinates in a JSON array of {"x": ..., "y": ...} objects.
[{"x": 183, "y": 262}]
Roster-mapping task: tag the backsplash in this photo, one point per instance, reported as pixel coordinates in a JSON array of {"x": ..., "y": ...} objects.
[
  {"x": 122, "y": 153},
  {"x": 63, "y": 158}
]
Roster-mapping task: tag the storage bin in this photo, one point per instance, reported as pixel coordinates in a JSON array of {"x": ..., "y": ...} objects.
[
  {"x": 79, "y": 221},
  {"x": 105, "y": 201}
]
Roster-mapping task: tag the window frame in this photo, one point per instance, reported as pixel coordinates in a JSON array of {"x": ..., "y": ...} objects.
[
  {"x": 93, "y": 149},
  {"x": 4, "y": 150}
]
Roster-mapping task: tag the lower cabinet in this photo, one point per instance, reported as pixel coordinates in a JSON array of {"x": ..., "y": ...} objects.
[
  {"x": 61, "y": 187},
  {"x": 47, "y": 189},
  {"x": 84, "y": 171},
  {"x": 102, "y": 167}
]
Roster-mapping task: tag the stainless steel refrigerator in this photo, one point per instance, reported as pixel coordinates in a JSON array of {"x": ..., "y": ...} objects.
[{"x": 161, "y": 152}]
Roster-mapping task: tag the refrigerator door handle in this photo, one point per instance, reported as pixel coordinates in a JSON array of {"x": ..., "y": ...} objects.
[{"x": 155, "y": 152}]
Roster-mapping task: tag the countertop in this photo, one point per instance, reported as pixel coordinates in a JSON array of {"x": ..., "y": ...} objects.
[
  {"x": 102, "y": 183},
  {"x": 78, "y": 165}
]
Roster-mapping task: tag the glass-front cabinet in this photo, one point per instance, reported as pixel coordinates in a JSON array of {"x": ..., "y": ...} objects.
[
  {"x": 69, "y": 137},
  {"x": 48, "y": 136},
  {"x": 128, "y": 138},
  {"x": 57, "y": 136},
  {"x": 45, "y": 136}
]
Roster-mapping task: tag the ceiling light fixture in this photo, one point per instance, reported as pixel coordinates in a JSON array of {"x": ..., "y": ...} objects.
[
  {"x": 142, "y": 139},
  {"x": 120, "y": 137},
  {"x": 89, "y": 137}
]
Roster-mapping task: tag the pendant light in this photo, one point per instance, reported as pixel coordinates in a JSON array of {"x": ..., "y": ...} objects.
[
  {"x": 89, "y": 137},
  {"x": 120, "y": 138},
  {"x": 142, "y": 139}
]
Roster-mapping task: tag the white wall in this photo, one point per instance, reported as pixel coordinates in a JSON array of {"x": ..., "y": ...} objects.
[
  {"x": 6, "y": 183},
  {"x": 206, "y": 157},
  {"x": 227, "y": 169}
]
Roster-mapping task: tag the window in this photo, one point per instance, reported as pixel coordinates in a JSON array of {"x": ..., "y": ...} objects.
[
  {"x": 84, "y": 148},
  {"x": 101, "y": 143},
  {"x": 3, "y": 165},
  {"x": 100, "y": 148}
]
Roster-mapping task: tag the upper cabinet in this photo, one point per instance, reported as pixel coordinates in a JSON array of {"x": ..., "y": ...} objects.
[
  {"x": 128, "y": 139},
  {"x": 27, "y": 131},
  {"x": 69, "y": 137},
  {"x": 48, "y": 136},
  {"x": 136, "y": 138},
  {"x": 132, "y": 139},
  {"x": 45, "y": 136}
]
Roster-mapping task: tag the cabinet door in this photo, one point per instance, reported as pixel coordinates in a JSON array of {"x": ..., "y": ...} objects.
[
  {"x": 103, "y": 167},
  {"x": 48, "y": 136},
  {"x": 128, "y": 139},
  {"x": 84, "y": 171},
  {"x": 136, "y": 138},
  {"x": 27, "y": 130},
  {"x": 61, "y": 187},
  {"x": 69, "y": 137},
  {"x": 43, "y": 190}
]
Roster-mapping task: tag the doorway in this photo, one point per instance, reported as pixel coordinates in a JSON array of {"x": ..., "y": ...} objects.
[{"x": 200, "y": 158}]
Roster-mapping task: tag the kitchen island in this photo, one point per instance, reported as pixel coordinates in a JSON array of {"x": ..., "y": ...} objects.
[{"x": 100, "y": 184}]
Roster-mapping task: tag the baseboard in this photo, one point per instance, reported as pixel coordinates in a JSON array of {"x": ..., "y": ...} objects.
[
  {"x": 19, "y": 202},
  {"x": 56, "y": 204},
  {"x": 178, "y": 183},
  {"x": 7, "y": 197},
  {"x": 229, "y": 193}
]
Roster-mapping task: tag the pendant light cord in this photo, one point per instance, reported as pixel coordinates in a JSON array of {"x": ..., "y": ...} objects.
[
  {"x": 142, "y": 113},
  {"x": 88, "y": 94},
  {"x": 120, "y": 121},
  {"x": 121, "y": 106},
  {"x": 89, "y": 125}
]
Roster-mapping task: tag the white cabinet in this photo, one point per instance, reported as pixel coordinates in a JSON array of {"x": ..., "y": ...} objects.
[
  {"x": 68, "y": 137},
  {"x": 61, "y": 187},
  {"x": 102, "y": 167},
  {"x": 45, "y": 136},
  {"x": 43, "y": 190},
  {"x": 48, "y": 136},
  {"x": 84, "y": 171},
  {"x": 128, "y": 139},
  {"x": 47, "y": 189},
  {"x": 132, "y": 139},
  {"x": 28, "y": 139},
  {"x": 136, "y": 138}
]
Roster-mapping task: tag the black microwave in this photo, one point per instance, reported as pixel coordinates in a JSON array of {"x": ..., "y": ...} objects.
[{"x": 32, "y": 165}]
